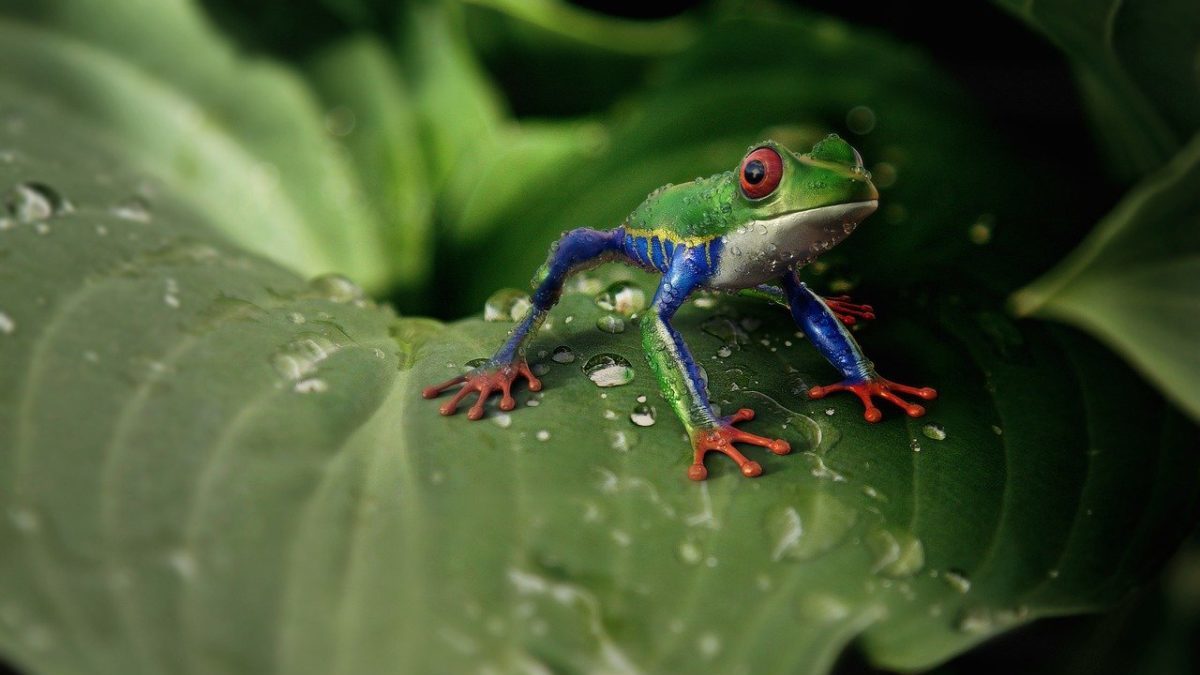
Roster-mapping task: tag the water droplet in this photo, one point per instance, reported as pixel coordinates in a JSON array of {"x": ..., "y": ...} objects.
[
  {"x": 830, "y": 412},
  {"x": 296, "y": 318},
  {"x": 860, "y": 120},
  {"x": 300, "y": 357},
  {"x": 502, "y": 420},
  {"x": 135, "y": 208},
  {"x": 935, "y": 431},
  {"x": 724, "y": 351},
  {"x": 26, "y": 521},
  {"x": 709, "y": 644},
  {"x": 689, "y": 552},
  {"x": 184, "y": 564},
  {"x": 31, "y": 202},
  {"x": 643, "y": 415},
  {"x": 997, "y": 430},
  {"x": 7, "y": 325},
  {"x": 898, "y": 554},
  {"x": 563, "y": 354},
  {"x": 611, "y": 323},
  {"x": 171, "y": 296},
  {"x": 986, "y": 620},
  {"x": 543, "y": 435},
  {"x": 608, "y": 370},
  {"x": 336, "y": 288},
  {"x": 914, "y": 445},
  {"x": 540, "y": 368},
  {"x": 623, "y": 297},
  {"x": 312, "y": 385},
  {"x": 506, "y": 304},
  {"x": 957, "y": 580},
  {"x": 980, "y": 232}
]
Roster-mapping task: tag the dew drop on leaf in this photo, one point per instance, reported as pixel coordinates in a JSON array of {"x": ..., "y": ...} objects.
[
  {"x": 934, "y": 431},
  {"x": 611, "y": 323},
  {"x": 957, "y": 580},
  {"x": 31, "y": 202},
  {"x": 897, "y": 554},
  {"x": 608, "y": 370},
  {"x": 7, "y": 325},
  {"x": 623, "y": 297},
  {"x": 134, "y": 208},
  {"x": 563, "y": 354},
  {"x": 643, "y": 415},
  {"x": 506, "y": 304},
  {"x": 336, "y": 288}
]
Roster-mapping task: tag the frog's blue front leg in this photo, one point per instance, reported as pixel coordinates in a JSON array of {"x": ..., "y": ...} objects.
[
  {"x": 576, "y": 250},
  {"x": 835, "y": 343},
  {"x": 679, "y": 377}
]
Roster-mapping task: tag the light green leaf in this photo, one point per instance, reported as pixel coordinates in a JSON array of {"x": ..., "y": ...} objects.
[
  {"x": 1135, "y": 281},
  {"x": 242, "y": 140},
  {"x": 209, "y": 465},
  {"x": 1136, "y": 64}
]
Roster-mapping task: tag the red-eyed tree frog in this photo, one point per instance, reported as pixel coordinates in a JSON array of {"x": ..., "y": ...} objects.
[{"x": 733, "y": 232}]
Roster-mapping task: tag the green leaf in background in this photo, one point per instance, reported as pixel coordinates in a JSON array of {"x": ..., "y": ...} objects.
[
  {"x": 243, "y": 141},
  {"x": 1135, "y": 281},
  {"x": 209, "y": 465},
  {"x": 1136, "y": 64}
]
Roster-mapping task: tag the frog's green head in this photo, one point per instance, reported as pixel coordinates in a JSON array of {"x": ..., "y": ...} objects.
[
  {"x": 775, "y": 181},
  {"x": 789, "y": 208}
]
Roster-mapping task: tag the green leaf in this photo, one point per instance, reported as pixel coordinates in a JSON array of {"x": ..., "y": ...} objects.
[
  {"x": 1135, "y": 281},
  {"x": 1136, "y": 62},
  {"x": 242, "y": 140},
  {"x": 209, "y": 465}
]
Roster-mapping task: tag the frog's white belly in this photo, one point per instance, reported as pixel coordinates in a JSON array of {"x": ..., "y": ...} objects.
[{"x": 763, "y": 250}]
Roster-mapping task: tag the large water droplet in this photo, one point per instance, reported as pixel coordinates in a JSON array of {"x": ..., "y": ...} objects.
[
  {"x": 623, "y": 297},
  {"x": 32, "y": 202},
  {"x": 7, "y": 325},
  {"x": 506, "y": 304},
  {"x": 608, "y": 370},
  {"x": 808, "y": 528},
  {"x": 898, "y": 554},
  {"x": 643, "y": 415},
  {"x": 563, "y": 354}
]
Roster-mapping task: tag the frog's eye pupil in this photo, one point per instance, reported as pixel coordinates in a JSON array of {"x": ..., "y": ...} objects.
[
  {"x": 762, "y": 170},
  {"x": 755, "y": 172}
]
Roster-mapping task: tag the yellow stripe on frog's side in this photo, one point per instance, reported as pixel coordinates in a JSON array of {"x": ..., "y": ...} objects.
[{"x": 668, "y": 235}]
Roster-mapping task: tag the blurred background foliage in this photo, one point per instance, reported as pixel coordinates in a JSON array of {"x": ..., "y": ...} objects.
[{"x": 432, "y": 150}]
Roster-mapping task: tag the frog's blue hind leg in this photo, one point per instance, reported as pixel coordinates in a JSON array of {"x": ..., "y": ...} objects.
[
  {"x": 679, "y": 378},
  {"x": 576, "y": 250},
  {"x": 838, "y": 347}
]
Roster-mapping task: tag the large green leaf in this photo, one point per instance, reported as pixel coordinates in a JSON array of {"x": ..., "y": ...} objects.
[
  {"x": 1135, "y": 281},
  {"x": 209, "y": 465},
  {"x": 1136, "y": 64},
  {"x": 241, "y": 140}
]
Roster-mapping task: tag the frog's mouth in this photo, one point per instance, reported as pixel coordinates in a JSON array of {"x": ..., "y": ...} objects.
[{"x": 803, "y": 235}]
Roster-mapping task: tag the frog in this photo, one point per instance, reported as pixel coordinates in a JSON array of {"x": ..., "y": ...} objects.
[{"x": 745, "y": 231}]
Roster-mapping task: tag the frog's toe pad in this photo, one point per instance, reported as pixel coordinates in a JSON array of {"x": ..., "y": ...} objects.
[
  {"x": 881, "y": 388},
  {"x": 721, "y": 438},
  {"x": 484, "y": 381}
]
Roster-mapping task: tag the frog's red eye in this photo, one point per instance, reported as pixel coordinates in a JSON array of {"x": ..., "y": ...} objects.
[{"x": 761, "y": 171}]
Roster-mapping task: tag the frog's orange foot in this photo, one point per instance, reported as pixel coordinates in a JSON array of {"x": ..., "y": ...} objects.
[
  {"x": 487, "y": 379},
  {"x": 885, "y": 389},
  {"x": 848, "y": 312},
  {"x": 721, "y": 439}
]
